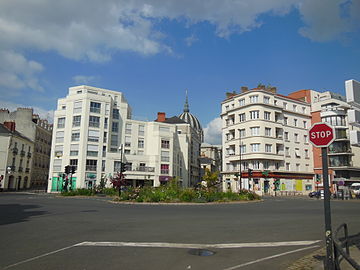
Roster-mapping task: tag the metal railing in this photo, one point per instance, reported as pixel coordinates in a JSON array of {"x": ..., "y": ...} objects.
[{"x": 339, "y": 244}]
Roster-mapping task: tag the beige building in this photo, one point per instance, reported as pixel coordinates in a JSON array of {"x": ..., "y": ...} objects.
[
  {"x": 265, "y": 142},
  {"x": 15, "y": 158},
  {"x": 40, "y": 132},
  {"x": 210, "y": 158}
]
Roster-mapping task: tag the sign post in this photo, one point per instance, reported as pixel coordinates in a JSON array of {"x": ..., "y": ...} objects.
[{"x": 322, "y": 135}]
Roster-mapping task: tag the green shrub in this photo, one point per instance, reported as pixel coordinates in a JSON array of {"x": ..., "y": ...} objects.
[{"x": 79, "y": 192}]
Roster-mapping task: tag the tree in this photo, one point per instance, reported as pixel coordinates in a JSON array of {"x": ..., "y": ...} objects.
[
  {"x": 118, "y": 180},
  {"x": 211, "y": 179}
]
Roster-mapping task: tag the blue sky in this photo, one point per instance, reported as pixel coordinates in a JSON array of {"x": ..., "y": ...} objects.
[{"x": 153, "y": 50}]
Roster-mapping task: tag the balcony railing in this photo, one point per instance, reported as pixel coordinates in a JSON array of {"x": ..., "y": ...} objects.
[{"x": 144, "y": 169}]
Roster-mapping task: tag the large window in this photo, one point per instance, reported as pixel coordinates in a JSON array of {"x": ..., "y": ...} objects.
[
  {"x": 165, "y": 144},
  {"x": 91, "y": 165},
  {"x": 242, "y": 148},
  {"x": 254, "y": 99},
  {"x": 114, "y": 140},
  {"x": 93, "y": 135},
  {"x": 74, "y": 163},
  {"x": 242, "y": 102},
  {"x": 164, "y": 169},
  {"x": 95, "y": 107},
  {"x": 115, "y": 127},
  {"x": 77, "y": 106},
  {"x": 266, "y": 100},
  {"x": 116, "y": 114},
  {"x": 61, "y": 122},
  {"x": 76, "y": 121},
  {"x": 267, "y": 115},
  {"x": 140, "y": 143},
  {"x": 92, "y": 150},
  {"x": 268, "y": 148},
  {"x": 268, "y": 132},
  {"x": 75, "y": 136},
  {"x": 165, "y": 156},
  {"x": 242, "y": 117},
  {"x": 255, "y": 147},
  {"x": 255, "y": 131},
  {"x": 94, "y": 121},
  {"x": 74, "y": 149},
  {"x": 335, "y": 120},
  {"x": 59, "y": 137},
  {"x": 254, "y": 114},
  {"x": 141, "y": 130}
]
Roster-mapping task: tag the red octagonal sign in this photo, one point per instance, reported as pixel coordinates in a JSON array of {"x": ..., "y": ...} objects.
[{"x": 321, "y": 135}]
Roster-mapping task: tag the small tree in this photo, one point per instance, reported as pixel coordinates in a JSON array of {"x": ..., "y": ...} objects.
[
  {"x": 118, "y": 181},
  {"x": 211, "y": 179}
]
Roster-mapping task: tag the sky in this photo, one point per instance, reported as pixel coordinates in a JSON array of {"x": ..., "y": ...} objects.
[{"x": 153, "y": 51}]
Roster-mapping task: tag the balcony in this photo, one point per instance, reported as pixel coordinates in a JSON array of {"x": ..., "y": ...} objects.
[
  {"x": 22, "y": 153},
  {"x": 145, "y": 169},
  {"x": 29, "y": 155},
  {"x": 15, "y": 151}
]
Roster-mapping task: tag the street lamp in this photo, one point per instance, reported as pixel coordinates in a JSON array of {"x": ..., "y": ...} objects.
[{"x": 240, "y": 143}]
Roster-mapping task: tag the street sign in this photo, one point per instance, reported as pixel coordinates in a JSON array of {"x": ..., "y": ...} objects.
[{"x": 321, "y": 135}]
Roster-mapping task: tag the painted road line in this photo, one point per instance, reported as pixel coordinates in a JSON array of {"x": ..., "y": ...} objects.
[
  {"x": 269, "y": 258},
  {"x": 183, "y": 245},
  {"x": 38, "y": 257}
]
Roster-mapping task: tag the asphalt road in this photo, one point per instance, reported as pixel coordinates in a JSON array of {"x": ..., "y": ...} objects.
[{"x": 40, "y": 231}]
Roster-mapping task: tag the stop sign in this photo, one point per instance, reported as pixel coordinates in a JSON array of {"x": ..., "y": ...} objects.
[{"x": 321, "y": 135}]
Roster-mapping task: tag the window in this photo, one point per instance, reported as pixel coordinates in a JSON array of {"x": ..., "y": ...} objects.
[
  {"x": 287, "y": 166},
  {"x": 254, "y": 114},
  {"x": 286, "y": 136},
  {"x": 295, "y": 122},
  {"x": 268, "y": 148},
  {"x": 114, "y": 140},
  {"x": 57, "y": 165},
  {"x": 255, "y": 147},
  {"x": 242, "y": 102},
  {"x": 165, "y": 156},
  {"x": 277, "y": 165},
  {"x": 117, "y": 166},
  {"x": 304, "y": 124},
  {"x": 59, "y": 137},
  {"x": 76, "y": 121},
  {"x": 303, "y": 109},
  {"x": 296, "y": 137},
  {"x": 297, "y": 167},
  {"x": 285, "y": 120},
  {"x": 267, "y": 115},
  {"x": 256, "y": 165},
  {"x": 77, "y": 107},
  {"x": 255, "y": 131},
  {"x": 266, "y": 165},
  {"x": 128, "y": 128},
  {"x": 294, "y": 108},
  {"x": 105, "y": 137},
  {"x": 287, "y": 151},
  {"x": 266, "y": 100},
  {"x": 74, "y": 149},
  {"x": 306, "y": 139},
  {"x": 141, "y": 130},
  {"x": 92, "y": 150},
  {"x": 75, "y": 136},
  {"x": 254, "y": 99},
  {"x": 95, "y": 107},
  {"x": 140, "y": 143},
  {"x": 61, "y": 122},
  {"x": 164, "y": 168},
  {"x": 115, "y": 127},
  {"x": 140, "y": 152},
  {"x": 242, "y": 117},
  {"x": 306, "y": 153},
  {"x": 116, "y": 114},
  {"x": 107, "y": 109},
  {"x": 268, "y": 132},
  {"x": 285, "y": 105},
  {"x": 103, "y": 163},
  {"x": 243, "y": 149},
  {"x": 297, "y": 153},
  {"x": 165, "y": 144},
  {"x": 127, "y": 141},
  {"x": 94, "y": 121},
  {"x": 59, "y": 150},
  {"x": 242, "y": 133},
  {"x": 93, "y": 135},
  {"x": 106, "y": 122},
  {"x": 104, "y": 151},
  {"x": 91, "y": 165},
  {"x": 74, "y": 163}
]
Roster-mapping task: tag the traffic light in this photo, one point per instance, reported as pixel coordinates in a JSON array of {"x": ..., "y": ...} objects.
[
  {"x": 122, "y": 167},
  {"x": 73, "y": 169},
  {"x": 67, "y": 169},
  {"x": 250, "y": 172}
]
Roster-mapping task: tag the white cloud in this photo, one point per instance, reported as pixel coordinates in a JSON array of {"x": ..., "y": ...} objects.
[
  {"x": 44, "y": 114},
  {"x": 190, "y": 40},
  {"x": 82, "y": 79},
  {"x": 212, "y": 132}
]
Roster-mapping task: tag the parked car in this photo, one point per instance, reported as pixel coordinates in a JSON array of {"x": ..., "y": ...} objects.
[{"x": 315, "y": 194}]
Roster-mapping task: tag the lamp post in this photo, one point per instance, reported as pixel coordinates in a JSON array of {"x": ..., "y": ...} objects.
[{"x": 240, "y": 143}]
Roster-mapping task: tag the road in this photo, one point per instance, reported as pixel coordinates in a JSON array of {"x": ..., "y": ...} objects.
[{"x": 41, "y": 231}]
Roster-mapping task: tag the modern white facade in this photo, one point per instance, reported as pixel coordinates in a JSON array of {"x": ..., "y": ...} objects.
[
  {"x": 267, "y": 133},
  {"x": 93, "y": 131}
]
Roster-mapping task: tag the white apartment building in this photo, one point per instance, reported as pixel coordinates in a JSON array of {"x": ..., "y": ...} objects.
[
  {"x": 265, "y": 136},
  {"x": 93, "y": 131}
]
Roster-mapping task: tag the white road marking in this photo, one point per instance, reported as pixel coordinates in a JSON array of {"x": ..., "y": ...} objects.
[
  {"x": 182, "y": 245},
  {"x": 269, "y": 258},
  {"x": 38, "y": 257}
]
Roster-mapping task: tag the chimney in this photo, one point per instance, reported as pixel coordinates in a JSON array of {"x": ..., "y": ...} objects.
[
  {"x": 244, "y": 89},
  {"x": 10, "y": 126},
  {"x": 161, "y": 117}
]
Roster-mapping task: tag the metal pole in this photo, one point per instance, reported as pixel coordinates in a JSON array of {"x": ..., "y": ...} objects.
[
  {"x": 240, "y": 143},
  {"x": 328, "y": 233}
]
